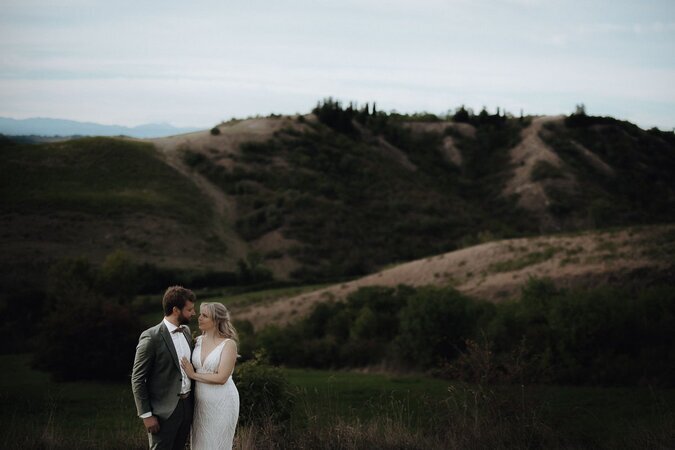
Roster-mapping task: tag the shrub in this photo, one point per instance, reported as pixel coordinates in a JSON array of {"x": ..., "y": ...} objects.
[
  {"x": 86, "y": 337},
  {"x": 434, "y": 325},
  {"x": 544, "y": 170},
  {"x": 247, "y": 339},
  {"x": 119, "y": 276},
  {"x": 194, "y": 159},
  {"x": 604, "y": 336},
  {"x": 215, "y": 131},
  {"x": 264, "y": 393},
  {"x": 21, "y": 310}
]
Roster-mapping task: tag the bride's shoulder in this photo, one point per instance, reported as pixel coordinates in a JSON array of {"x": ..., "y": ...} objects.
[{"x": 226, "y": 340}]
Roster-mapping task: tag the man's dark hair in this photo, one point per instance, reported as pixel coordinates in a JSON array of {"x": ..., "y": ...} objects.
[{"x": 176, "y": 296}]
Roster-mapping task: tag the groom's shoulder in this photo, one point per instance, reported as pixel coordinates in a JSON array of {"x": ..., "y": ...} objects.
[{"x": 153, "y": 331}]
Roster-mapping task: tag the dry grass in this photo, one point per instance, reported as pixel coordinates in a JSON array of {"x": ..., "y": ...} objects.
[{"x": 497, "y": 270}]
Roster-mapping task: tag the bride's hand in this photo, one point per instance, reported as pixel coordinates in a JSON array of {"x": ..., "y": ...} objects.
[{"x": 187, "y": 367}]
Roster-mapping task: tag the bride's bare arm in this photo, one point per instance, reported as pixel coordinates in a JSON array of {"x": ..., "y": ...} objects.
[{"x": 227, "y": 360}]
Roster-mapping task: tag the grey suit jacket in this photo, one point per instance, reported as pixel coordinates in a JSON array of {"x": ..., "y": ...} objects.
[{"x": 156, "y": 377}]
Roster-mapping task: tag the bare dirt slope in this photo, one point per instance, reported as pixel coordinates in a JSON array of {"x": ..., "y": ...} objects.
[
  {"x": 496, "y": 271},
  {"x": 221, "y": 147},
  {"x": 524, "y": 157},
  {"x": 449, "y": 149}
]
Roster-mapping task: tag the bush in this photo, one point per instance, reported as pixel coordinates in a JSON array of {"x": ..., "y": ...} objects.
[
  {"x": 543, "y": 170},
  {"x": 119, "y": 277},
  {"x": 84, "y": 335},
  {"x": 21, "y": 310},
  {"x": 604, "y": 336},
  {"x": 264, "y": 393},
  {"x": 215, "y": 131},
  {"x": 601, "y": 336},
  {"x": 434, "y": 326},
  {"x": 87, "y": 337}
]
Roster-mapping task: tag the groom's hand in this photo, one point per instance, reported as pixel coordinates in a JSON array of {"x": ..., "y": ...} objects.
[{"x": 151, "y": 424}]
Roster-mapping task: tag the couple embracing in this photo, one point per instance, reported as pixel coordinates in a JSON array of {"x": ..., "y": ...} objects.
[{"x": 180, "y": 385}]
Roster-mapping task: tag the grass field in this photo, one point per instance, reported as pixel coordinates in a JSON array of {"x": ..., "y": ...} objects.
[
  {"x": 38, "y": 413},
  {"x": 103, "y": 176},
  {"x": 231, "y": 300}
]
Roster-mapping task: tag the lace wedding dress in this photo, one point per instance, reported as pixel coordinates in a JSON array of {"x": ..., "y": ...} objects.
[{"x": 216, "y": 405}]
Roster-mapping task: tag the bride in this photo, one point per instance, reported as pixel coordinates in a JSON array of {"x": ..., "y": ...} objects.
[{"x": 216, "y": 397}]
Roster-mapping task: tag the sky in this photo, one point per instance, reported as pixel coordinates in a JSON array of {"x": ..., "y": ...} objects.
[{"x": 200, "y": 62}]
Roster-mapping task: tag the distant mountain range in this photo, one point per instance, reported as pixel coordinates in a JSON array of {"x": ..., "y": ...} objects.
[{"x": 59, "y": 127}]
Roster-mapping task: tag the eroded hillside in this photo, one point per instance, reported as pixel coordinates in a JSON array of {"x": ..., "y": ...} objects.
[
  {"x": 497, "y": 271},
  {"x": 334, "y": 194}
]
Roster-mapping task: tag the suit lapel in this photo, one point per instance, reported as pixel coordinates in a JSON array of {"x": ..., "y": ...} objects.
[
  {"x": 188, "y": 338},
  {"x": 164, "y": 331}
]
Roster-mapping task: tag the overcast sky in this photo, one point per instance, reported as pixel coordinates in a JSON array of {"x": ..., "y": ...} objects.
[{"x": 198, "y": 62}]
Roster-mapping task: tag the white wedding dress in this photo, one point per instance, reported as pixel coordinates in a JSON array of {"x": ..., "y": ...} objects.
[{"x": 216, "y": 405}]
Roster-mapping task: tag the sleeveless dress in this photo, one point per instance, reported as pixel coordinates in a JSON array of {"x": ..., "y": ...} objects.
[{"x": 216, "y": 405}]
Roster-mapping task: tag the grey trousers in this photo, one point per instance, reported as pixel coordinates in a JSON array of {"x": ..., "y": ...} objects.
[{"x": 174, "y": 431}]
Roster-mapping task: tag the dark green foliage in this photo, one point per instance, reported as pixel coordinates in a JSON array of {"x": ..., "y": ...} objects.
[
  {"x": 601, "y": 336},
  {"x": 21, "y": 311},
  {"x": 85, "y": 314},
  {"x": 352, "y": 206},
  {"x": 544, "y": 170},
  {"x": 640, "y": 187},
  {"x": 87, "y": 339},
  {"x": 354, "y": 333},
  {"x": 331, "y": 113},
  {"x": 193, "y": 159},
  {"x": 119, "y": 277},
  {"x": 215, "y": 131},
  {"x": 483, "y": 118},
  {"x": 265, "y": 394},
  {"x": 434, "y": 325},
  {"x": 247, "y": 339},
  {"x": 461, "y": 115},
  {"x": 84, "y": 336},
  {"x": 251, "y": 270}
]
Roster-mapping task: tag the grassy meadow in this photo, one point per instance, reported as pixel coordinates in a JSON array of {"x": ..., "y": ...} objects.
[
  {"x": 354, "y": 410},
  {"x": 120, "y": 177}
]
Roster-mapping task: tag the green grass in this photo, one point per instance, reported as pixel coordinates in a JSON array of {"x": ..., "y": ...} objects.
[
  {"x": 103, "y": 176},
  {"x": 359, "y": 396},
  {"x": 38, "y": 413}
]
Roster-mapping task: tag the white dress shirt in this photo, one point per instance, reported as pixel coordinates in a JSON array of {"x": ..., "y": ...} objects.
[{"x": 183, "y": 351}]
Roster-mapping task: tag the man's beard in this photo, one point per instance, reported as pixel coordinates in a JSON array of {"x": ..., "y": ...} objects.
[{"x": 182, "y": 320}]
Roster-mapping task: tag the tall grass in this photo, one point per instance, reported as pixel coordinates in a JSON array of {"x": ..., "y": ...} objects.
[
  {"x": 342, "y": 410},
  {"x": 474, "y": 418}
]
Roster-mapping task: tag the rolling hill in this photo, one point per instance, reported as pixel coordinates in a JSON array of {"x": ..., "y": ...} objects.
[
  {"x": 339, "y": 193},
  {"x": 497, "y": 271}
]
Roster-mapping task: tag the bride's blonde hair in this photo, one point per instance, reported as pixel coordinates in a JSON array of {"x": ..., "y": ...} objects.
[{"x": 221, "y": 316}]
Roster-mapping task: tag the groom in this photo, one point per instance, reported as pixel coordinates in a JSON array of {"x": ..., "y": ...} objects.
[{"x": 161, "y": 388}]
